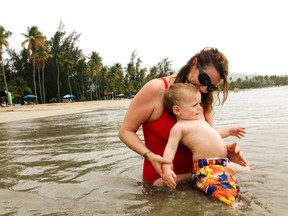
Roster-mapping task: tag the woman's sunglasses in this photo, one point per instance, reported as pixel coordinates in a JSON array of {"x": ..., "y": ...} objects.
[{"x": 205, "y": 80}]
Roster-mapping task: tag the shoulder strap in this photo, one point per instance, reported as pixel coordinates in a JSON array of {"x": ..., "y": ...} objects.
[{"x": 165, "y": 82}]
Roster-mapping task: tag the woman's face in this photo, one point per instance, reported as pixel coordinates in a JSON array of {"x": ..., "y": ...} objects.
[{"x": 210, "y": 71}]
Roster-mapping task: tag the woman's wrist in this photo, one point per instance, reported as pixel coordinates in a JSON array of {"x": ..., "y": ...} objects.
[{"x": 145, "y": 155}]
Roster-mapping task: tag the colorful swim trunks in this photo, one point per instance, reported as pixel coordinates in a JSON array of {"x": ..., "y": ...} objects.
[{"x": 213, "y": 177}]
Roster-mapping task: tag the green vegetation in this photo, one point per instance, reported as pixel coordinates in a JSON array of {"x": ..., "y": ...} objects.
[
  {"x": 259, "y": 82},
  {"x": 52, "y": 68}
]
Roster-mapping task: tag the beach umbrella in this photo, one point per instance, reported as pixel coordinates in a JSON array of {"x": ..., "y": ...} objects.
[
  {"x": 30, "y": 97},
  {"x": 69, "y": 96},
  {"x": 131, "y": 95}
]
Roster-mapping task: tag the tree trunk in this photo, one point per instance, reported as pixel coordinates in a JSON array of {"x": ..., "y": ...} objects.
[
  {"x": 58, "y": 84},
  {"x": 43, "y": 85},
  {"x": 40, "y": 86},
  {"x": 70, "y": 89},
  {"x": 34, "y": 79},
  {"x": 5, "y": 83}
]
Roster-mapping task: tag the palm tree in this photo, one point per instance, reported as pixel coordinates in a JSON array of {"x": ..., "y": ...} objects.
[
  {"x": 57, "y": 50},
  {"x": 134, "y": 74},
  {"x": 42, "y": 56},
  {"x": 19, "y": 87},
  {"x": 67, "y": 64},
  {"x": 103, "y": 74},
  {"x": 115, "y": 78},
  {"x": 65, "y": 54},
  {"x": 94, "y": 66},
  {"x": 4, "y": 43},
  {"x": 35, "y": 41},
  {"x": 164, "y": 68}
]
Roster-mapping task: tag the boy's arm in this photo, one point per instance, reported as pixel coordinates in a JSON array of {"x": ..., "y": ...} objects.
[
  {"x": 175, "y": 137},
  {"x": 239, "y": 132},
  {"x": 169, "y": 176}
]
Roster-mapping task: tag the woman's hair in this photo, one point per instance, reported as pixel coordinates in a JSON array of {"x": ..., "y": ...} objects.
[
  {"x": 177, "y": 93},
  {"x": 207, "y": 57}
]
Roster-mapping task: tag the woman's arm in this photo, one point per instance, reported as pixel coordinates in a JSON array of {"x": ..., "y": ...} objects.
[
  {"x": 209, "y": 119},
  {"x": 141, "y": 110}
]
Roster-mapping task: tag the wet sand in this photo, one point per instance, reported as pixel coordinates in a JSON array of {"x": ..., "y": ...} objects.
[{"x": 17, "y": 113}]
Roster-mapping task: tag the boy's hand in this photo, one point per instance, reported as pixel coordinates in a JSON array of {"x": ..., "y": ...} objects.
[
  {"x": 239, "y": 132},
  {"x": 169, "y": 177}
]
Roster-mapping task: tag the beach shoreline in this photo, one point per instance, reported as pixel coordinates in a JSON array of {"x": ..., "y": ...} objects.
[{"x": 24, "y": 112}]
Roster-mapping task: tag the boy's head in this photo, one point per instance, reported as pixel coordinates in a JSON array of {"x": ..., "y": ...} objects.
[{"x": 183, "y": 100}]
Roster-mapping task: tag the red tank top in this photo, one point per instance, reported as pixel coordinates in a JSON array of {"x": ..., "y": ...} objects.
[{"x": 156, "y": 134}]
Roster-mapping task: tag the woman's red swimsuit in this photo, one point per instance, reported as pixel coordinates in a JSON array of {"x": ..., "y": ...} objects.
[{"x": 156, "y": 134}]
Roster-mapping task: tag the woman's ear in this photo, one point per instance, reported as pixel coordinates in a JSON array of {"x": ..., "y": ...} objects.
[{"x": 176, "y": 110}]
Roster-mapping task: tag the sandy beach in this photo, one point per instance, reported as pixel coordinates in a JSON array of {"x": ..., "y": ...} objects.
[{"x": 17, "y": 113}]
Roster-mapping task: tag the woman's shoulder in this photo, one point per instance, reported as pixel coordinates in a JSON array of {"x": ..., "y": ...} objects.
[
  {"x": 151, "y": 95},
  {"x": 157, "y": 81},
  {"x": 155, "y": 85},
  {"x": 148, "y": 101}
]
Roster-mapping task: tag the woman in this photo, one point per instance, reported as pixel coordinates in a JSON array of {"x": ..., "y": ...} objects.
[{"x": 205, "y": 70}]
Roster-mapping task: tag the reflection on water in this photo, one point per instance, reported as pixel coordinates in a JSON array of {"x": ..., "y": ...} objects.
[{"x": 76, "y": 165}]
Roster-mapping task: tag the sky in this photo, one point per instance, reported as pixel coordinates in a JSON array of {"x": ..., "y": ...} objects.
[{"x": 253, "y": 34}]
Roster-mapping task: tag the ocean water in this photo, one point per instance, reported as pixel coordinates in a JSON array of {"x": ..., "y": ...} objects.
[{"x": 76, "y": 165}]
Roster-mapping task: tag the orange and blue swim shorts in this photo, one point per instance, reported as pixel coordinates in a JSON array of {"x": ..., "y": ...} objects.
[{"x": 213, "y": 177}]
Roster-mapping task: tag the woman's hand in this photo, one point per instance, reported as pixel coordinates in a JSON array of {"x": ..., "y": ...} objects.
[
  {"x": 235, "y": 155},
  {"x": 157, "y": 161}
]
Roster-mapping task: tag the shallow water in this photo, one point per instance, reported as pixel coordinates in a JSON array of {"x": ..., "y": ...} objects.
[{"x": 76, "y": 165}]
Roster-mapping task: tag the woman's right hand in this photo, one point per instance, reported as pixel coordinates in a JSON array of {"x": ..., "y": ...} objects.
[{"x": 157, "y": 161}]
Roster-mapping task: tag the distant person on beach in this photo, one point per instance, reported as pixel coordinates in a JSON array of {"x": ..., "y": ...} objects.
[
  {"x": 3, "y": 104},
  {"x": 205, "y": 70},
  {"x": 212, "y": 171}
]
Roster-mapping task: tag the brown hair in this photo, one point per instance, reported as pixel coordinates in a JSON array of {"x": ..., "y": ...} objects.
[
  {"x": 207, "y": 57},
  {"x": 176, "y": 93}
]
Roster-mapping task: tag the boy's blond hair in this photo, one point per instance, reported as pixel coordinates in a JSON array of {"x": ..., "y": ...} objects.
[{"x": 176, "y": 93}]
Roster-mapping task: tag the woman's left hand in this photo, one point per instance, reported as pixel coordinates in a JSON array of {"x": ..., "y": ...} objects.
[{"x": 235, "y": 155}]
